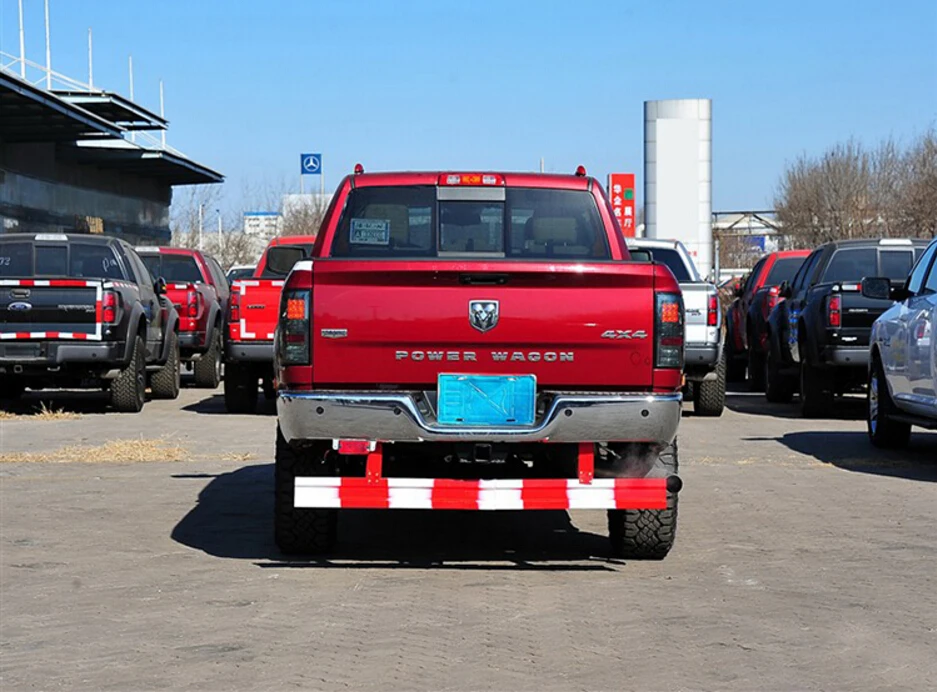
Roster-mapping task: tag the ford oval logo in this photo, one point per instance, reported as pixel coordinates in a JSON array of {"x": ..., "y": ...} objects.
[{"x": 20, "y": 306}]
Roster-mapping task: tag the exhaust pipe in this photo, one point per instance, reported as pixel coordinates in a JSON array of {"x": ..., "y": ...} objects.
[
  {"x": 674, "y": 484},
  {"x": 17, "y": 369}
]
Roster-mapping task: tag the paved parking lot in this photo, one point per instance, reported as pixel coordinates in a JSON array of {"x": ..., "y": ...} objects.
[{"x": 804, "y": 560}]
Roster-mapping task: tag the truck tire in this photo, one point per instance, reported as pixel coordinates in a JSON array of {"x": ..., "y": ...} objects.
[
  {"x": 164, "y": 383},
  {"x": 711, "y": 394},
  {"x": 816, "y": 394},
  {"x": 884, "y": 432},
  {"x": 647, "y": 534},
  {"x": 735, "y": 365},
  {"x": 756, "y": 370},
  {"x": 778, "y": 389},
  {"x": 240, "y": 388},
  {"x": 128, "y": 389},
  {"x": 298, "y": 531},
  {"x": 207, "y": 369}
]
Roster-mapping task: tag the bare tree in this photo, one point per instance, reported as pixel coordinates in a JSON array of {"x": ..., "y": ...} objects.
[{"x": 852, "y": 192}]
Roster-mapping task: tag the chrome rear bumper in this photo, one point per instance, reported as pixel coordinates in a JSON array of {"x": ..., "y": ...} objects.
[{"x": 396, "y": 417}]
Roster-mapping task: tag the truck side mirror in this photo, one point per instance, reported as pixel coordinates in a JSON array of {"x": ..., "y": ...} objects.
[
  {"x": 159, "y": 286},
  {"x": 876, "y": 287},
  {"x": 784, "y": 290},
  {"x": 737, "y": 289}
]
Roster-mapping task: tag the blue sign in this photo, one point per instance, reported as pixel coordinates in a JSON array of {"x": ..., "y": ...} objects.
[{"x": 310, "y": 164}]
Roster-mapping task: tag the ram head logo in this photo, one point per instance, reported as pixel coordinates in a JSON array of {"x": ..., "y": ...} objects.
[{"x": 483, "y": 314}]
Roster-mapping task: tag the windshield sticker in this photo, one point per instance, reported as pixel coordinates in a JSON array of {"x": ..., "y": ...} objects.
[{"x": 370, "y": 232}]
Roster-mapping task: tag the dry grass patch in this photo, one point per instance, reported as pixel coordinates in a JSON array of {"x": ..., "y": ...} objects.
[
  {"x": 41, "y": 413},
  {"x": 115, "y": 451}
]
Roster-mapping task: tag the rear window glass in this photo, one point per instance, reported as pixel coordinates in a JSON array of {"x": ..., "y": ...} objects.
[
  {"x": 673, "y": 260},
  {"x": 896, "y": 264},
  {"x": 852, "y": 265},
  {"x": 75, "y": 260},
  {"x": 173, "y": 268},
  {"x": 783, "y": 270},
  {"x": 531, "y": 223},
  {"x": 299, "y": 251}
]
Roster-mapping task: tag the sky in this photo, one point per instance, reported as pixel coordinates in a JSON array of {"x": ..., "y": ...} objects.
[{"x": 496, "y": 85}]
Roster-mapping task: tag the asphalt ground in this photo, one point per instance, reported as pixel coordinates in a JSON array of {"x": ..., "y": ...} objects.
[{"x": 805, "y": 560}]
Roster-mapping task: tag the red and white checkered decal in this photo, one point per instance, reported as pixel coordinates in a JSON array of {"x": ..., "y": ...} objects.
[
  {"x": 62, "y": 283},
  {"x": 436, "y": 493}
]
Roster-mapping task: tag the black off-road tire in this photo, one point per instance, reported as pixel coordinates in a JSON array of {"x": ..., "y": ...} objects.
[
  {"x": 816, "y": 393},
  {"x": 756, "y": 370},
  {"x": 207, "y": 369},
  {"x": 128, "y": 389},
  {"x": 646, "y": 534},
  {"x": 165, "y": 382},
  {"x": 884, "y": 431},
  {"x": 299, "y": 531},
  {"x": 778, "y": 387},
  {"x": 12, "y": 388},
  {"x": 240, "y": 388},
  {"x": 735, "y": 365},
  {"x": 711, "y": 394}
]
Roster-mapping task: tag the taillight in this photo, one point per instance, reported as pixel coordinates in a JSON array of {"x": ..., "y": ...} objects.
[
  {"x": 668, "y": 331},
  {"x": 109, "y": 307},
  {"x": 192, "y": 299},
  {"x": 234, "y": 307},
  {"x": 712, "y": 312},
  {"x": 294, "y": 327},
  {"x": 834, "y": 315}
]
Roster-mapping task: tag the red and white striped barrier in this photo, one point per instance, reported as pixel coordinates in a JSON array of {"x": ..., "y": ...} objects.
[
  {"x": 438, "y": 493},
  {"x": 63, "y": 283}
]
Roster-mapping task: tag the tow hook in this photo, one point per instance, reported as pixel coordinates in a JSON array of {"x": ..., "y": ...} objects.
[{"x": 674, "y": 484}]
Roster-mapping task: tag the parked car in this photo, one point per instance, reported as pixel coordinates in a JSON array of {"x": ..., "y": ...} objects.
[
  {"x": 240, "y": 271},
  {"x": 477, "y": 341},
  {"x": 705, "y": 367},
  {"x": 196, "y": 285},
  {"x": 819, "y": 334},
  {"x": 252, "y": 318},
  {"x": 746, "y": 339},
  {"x": 903, "y": 354},
  {"x": 82, "y": 311}
]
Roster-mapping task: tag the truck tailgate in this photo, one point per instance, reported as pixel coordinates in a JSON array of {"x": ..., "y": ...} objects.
[
  {"x": 696, "y": 303},
  {"x": 50, "y": 309},
  {"x": 258, "y": 301},
  {"x": 404, "y": 323}
]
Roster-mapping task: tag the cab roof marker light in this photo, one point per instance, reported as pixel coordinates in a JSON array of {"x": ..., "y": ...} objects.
[
  {"x": 147, "y": 248},
  {"x": 359, "y": 169},
  {"x": 580, "y": 171},
  {"x": 895, "y": 241},
  {"x": 474, "y": 179},
  {"x": 57, "y": 237}
]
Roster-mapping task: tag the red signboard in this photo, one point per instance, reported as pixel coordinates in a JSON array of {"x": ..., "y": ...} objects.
[{"x": 621, "y": 192}]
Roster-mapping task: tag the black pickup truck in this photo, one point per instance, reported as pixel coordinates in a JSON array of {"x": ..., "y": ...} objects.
[
  {"x": 82, "y": 311},
  {"x": 818, "y": 334}
]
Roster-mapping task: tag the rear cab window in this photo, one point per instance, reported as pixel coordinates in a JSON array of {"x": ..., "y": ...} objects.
[
  {"x": 512, "y": 223},
  {"x": 674, "y": 263},
  {"x": 173, "y": 268},
  {"x": 294, "y": 251},
  {"x": 783, "y": 269},
  {"x": 75, "y": 260}
]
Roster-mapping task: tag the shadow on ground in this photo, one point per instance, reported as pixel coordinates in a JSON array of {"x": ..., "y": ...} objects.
[
  {"x": 214, "y": 404},
  {"x": 234, "y": 519},
  {"x": 852, "y": 451},
  {"x": 73, "y": 401},
  {"x": 740, "y": 400}
]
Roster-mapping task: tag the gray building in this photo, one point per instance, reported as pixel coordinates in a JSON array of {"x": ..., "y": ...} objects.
[{"x": 67, "y": 164}]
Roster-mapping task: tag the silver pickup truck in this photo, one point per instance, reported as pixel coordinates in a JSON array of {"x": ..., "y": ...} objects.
[{"x": 705, "y": 364}]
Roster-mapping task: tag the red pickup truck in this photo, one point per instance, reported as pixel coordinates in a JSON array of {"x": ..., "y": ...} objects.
[
  {"x": 252, "y": 318},
  {"x": 746, "y": 344},
  {"x": 477, "y": 341},
  {"x": 196, "y": 285}
]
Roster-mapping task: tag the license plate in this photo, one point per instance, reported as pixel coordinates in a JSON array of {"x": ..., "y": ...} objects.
[
  {"x": 496, "y": 400},
  {"x": 21, "y": 350}
]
